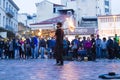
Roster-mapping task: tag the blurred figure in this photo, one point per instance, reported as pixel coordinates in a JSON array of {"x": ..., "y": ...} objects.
[
  {"x": 98, "y": 48},
  {"x": 1, "y": 47},
  {"x": 115, "y": 48},
  {"x": 75, "y": 47},
  {"x": 42, "y": 47},
  {"x": 88, "y": 46},
  {"x": 93, "y": 48},
  {"x": 104, "y": 48},
  {"x": 110, "y": 48},
  {"x": 59, "y": 44},
  {"x": 11, "y": 52}
]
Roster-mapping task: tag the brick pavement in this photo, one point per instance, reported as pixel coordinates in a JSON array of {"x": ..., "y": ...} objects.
[{"x": 44, "y": 69}]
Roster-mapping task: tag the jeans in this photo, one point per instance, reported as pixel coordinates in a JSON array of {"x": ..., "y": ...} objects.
[
  {"x": 32, "y": 52},
  {"x": 36, "y": 51},
  {"x": 98, "y": 52},
  {"x": 104, "y": 53},
  {"x": 16, "y": 53},
  {"x": 42, "y": 52}
]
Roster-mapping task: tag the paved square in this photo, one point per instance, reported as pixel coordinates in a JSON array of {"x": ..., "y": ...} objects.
[{"x": 44, "y": 69}]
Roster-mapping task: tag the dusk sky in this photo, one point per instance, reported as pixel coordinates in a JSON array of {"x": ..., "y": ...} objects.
[{"x": 28, "y": 6}]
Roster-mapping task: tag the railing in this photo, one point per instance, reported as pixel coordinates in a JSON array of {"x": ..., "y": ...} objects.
[{"x": 9, "y": 12}]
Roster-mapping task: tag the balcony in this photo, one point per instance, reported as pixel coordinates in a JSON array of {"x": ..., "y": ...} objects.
[
  {"x": 9, "y": 12},
  {"x": 10, "y": 28}
]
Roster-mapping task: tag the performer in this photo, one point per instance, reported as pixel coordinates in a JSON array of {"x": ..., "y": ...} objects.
[{"x": 59, "y": 44}]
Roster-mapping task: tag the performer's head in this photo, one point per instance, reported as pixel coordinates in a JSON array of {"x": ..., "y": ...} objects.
[{"x": 59, "y": 25}]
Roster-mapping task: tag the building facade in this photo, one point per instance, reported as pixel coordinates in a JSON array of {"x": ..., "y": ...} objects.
[
  {"x": 47, "y": 10},
  {"x": 26, "y": 19},
  {"x": 109, "y": 25},
  {"x": 88, "y": 9},
  {"x": 8, "y": 15}
]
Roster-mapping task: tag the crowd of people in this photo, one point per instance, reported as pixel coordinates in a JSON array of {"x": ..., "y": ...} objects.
[{"x": 78, "y": 48}]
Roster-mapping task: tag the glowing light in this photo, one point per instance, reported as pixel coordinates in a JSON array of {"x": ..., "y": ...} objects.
[
  {"x": 39, "y": 33},
  {"x": 40, "y": 30},
  {"x": 70, "y": 25},
  {"x": 114, "y": 16}
]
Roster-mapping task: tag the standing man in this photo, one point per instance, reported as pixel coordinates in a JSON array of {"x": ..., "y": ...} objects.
[
  {"x": 59, "y": 44},
  {"x": 98, "y": 47}
]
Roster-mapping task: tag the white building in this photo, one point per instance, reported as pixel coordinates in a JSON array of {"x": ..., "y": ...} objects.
[
  {"x": 47, "y": 15},
  {"x": 26, "y": 19},
  {"x": 47, "y": 10},
  {"x": 8, "y": 15},
  {"x": 109, "y": 25},
  {"x": 88, "y": 9}
]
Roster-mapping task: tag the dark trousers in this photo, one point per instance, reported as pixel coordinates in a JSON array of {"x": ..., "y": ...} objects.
[
  {"x": 59, "y": 55},
  {"x": 93, "y": 53},
  {"x": 75, "y": 53},
  {"x": 111, "y": 54},
  {"x": 11, "y": 54}
]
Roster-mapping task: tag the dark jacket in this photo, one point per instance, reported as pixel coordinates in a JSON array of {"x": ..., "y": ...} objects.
[{"x": 59, "y": 36}]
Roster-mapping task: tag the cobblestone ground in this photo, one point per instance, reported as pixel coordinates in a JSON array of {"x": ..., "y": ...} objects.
[{"x": 44, "y": 69}]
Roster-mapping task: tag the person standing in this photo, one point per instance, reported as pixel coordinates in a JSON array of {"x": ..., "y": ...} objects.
[
  {"x": 1, "y": 48},
  {"x": 115, "y": 48},
  {"x": 104, "y": 48},
  {"x": 98, "y": 48},
  {"x": 59, "y": 44},
  {"x": 42, "y": 47},
  {"x": 88, "y": 46},
  {"x": 110, "y": 48},
  {"x": 93, "y": 48}
]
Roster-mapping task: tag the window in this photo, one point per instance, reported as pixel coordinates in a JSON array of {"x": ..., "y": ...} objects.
[
  {"x": 54, "y": 10},
  {"x": 3, "y": 21},
  {"x": 7, "y": 5},
  {"x": 106, "y": 10},
  {"x": 107, "y": 3},
  {"x": 3, "y": 3},
  {"x": 0, "y": 2},
  {"x": 6, "y": 21}
]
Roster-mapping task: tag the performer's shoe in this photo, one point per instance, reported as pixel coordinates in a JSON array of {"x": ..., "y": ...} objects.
[{"x": 58, "y": 64}]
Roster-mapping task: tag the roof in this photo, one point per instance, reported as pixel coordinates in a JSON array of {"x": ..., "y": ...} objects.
[
  {"x": 89, "y": 18},
  {"x": 13, "y": 3},
  {"x": 54, "y": 4},
  {"x": 67, "y": 10},
  {"x": 58, "y": 5},
  {"x": 54, "y": 20},
  {"x": 108, "y": 15}
]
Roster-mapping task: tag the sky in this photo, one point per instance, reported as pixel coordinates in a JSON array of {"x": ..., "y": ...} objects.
[{"x": 28, "y": 6}]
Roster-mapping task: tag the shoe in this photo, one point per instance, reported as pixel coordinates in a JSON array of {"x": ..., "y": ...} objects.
[
  {"x": 60, "y": 64},
  {"x": 56, "y": 64}
]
